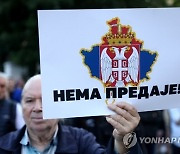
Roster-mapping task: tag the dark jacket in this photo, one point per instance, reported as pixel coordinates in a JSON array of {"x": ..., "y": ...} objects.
[
  {"x": 7, "y": 116},
  {"x": 70, "y": 140}
]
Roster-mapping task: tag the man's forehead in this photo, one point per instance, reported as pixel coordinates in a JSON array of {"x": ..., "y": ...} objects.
[
  {"x": 32, "y": 91},
  {"x": 32, "y": 85}
]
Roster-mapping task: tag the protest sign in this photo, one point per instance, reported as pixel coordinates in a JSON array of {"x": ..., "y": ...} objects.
[{"x": 90, "y": 58}]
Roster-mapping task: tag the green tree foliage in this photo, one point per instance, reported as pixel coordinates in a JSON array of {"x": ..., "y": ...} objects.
[{"x": 19, "y": 29}]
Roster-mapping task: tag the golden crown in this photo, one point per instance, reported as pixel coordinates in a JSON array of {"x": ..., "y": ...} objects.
[
  {"x": 119, "y": 39},
  {"x": 118, "y": 34}
]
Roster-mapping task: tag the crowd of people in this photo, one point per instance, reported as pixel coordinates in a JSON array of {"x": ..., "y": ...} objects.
[{"x": 23, "y": 130}]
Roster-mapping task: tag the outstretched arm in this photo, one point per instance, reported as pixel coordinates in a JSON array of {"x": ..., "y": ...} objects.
[{"x": 124, "y": 121}]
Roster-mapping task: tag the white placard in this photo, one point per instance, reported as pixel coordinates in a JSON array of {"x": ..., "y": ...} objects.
[{"x": 93, "y": 57}]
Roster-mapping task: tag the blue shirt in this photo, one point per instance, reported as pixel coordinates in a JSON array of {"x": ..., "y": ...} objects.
[{"x": 27, "y": 148}]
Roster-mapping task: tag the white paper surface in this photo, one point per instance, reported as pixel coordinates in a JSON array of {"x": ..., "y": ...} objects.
[{"x": 65, "y": 34}]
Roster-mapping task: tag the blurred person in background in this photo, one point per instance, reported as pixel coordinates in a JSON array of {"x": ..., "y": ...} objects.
[
  {"x": 10, "y": 113},
  {"x": 174, "y": 129},
  {"x": 152, "y": 125},
  {"x": 15, "y": 89}
]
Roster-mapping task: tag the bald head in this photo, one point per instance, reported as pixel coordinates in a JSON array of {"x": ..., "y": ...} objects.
[{"x": 33, "y": 80}]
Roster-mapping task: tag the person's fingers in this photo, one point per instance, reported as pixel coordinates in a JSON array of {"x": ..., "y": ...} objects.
[
  {"x": 120, "y": 127},
  {"x": 134, "y": 115},
  {"x": 126, "y": 118},
  {"x": 116, "y": 125},
  {"x": 120, "y": 111},
  {"x": 128, "y": 107},
  {"x": 120, "y": 119}
]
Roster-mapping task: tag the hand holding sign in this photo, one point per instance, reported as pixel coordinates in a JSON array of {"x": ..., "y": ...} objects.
[{"x": 124, "y": 121}]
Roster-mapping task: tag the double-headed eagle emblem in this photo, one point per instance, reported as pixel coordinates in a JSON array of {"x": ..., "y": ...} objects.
[{"x": 120, "y": 69}]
